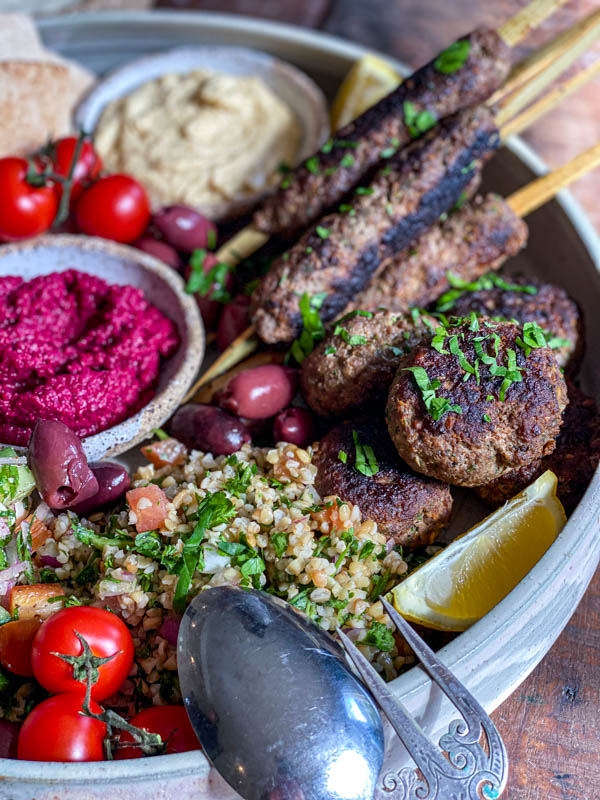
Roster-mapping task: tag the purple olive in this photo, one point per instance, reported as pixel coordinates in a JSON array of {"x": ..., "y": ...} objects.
[
  {"x": 113, "y": 482},
  {"x": 185, "y": 229},
  {"x": 260, "y": 392},
  {"x": 234, "y": 319},
  {"x": 59, "y": 465},
  {"x": 208, "y": 428},
  {"x": 294, "y": 425},
  {"x": 160, "y": 250}
]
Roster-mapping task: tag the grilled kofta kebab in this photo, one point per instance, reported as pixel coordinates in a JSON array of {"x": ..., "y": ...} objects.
[
  {"x": 465, "y": 74},
  {"x": 476, "y": 401},
  {"x": 357, "y": 462},
  {"x": 337, "y": 257},
  {"x": 574, "y": 459}
]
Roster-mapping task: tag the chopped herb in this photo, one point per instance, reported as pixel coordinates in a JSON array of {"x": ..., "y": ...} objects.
[
  {"x": 365, "y": 461},
  {"x": 389, "y": 210},
  {"x": 437, "y": 406},
  {"x": 489, "y": 281},
  {"x": 308, "y": 250},
  {"x": 359, "y": 312},
  {"x": 380, "y": 583},
  {"x": 461, "y": 200},
  {"x": 380, "y": 636},
  {"x": 345, "y": 208},
  {"x": 211, "y": 236},
  {"x": 214, "y": 281},
  {"x": 364, "y": 190},
  {"x": 352, "y": 340},
  {"x": 417, "y": 122},
  {"x": 366, "y": 550},
  {"x": 312, "y": 330},
  {"x": 453, "y": 58},
  {"x": 91, "y": 571},
  {"x": 486, "y": 418},
  {"x": 286, "y": 182},
  {"x": 160, "y": 434},
  {"x": 329, "y": 351},
  {"x": 322, "y": 232},
  {"x": 388, "y": 152},
  {"x": 347, "y": 160},
  {"x": 279, "y": 542},
  {"x": 348, "y": 143},
  {"x": 328, "y": 146},
  {"x": 239, "y": 484},
  {"x": 148, "y": 543},
  {"x": 312, "y": 165},
  {"x": 343, "y": 456},
  {"x": 490, "y": 398}
]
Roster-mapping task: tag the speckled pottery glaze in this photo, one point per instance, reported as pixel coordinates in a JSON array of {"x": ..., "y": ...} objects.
[
  {"x": 294, "y": 87},
  {"x": 494, "y": 656},
  {"x": 162, "y": 286}
]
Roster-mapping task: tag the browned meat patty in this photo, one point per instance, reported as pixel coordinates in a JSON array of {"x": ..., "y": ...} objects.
[
  {"x": 475, "y": 402},
  {"x": 408, "y": 508},
  {"x": 356, "y": 362},
  {"x": 320, "y": 182},
  {"x": 336, "y": 258},
  {"x": 524, "y": 300},
  {"x": 574, "y": 459},
  {"x": 478, "y": 237}
]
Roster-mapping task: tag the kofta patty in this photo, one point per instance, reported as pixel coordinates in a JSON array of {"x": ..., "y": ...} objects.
[
  {"x": 408, "y": 508},
  {"x": 574, "y": 459},
  {"x": 524, "y": 300},
  {"x": 477, "y": 400},
  {"x": 355, "y": 364}
]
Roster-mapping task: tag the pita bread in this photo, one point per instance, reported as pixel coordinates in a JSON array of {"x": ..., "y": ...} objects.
[{"x": 39, "y": 90}]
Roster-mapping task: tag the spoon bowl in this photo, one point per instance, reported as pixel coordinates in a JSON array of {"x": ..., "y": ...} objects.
[{"x": 273, "y": 703}]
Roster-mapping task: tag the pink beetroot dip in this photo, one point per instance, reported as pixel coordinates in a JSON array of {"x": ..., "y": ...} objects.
[{"x": 76, "y": 349}]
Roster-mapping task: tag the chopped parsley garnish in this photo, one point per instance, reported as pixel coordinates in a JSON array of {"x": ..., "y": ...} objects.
[
  {"x": 380, "y": 636},
  {"x": 352, "y": 340},
  {"x": 358, "y": 312},
  {"x": 453, "y": 58},
  {"x": 346, "y": 208},
  {"x": 366, "y": 550},
  {"x": 211, "y": 237},
  {"x": 486, "y": 418},
  {"x": 279, "y": 542},
  {"x": 213, "y": 281},
  {"x": 16, "y": 480},
  {"x": 343, "y": 456},
  {"x": 364, "y": 190},
  {"x": 388, "y": 152},
  {"x": 328, "y": 146},
  {"x": 312, "y": 165},
  {"x": 312, "y": 330},
  {"x": 215, "y": 509},
  {"x": 322, "y": 232},
  {"x": 329, "y": 351},
  {"x": 489, "y": 281},
  {"x": 347, "y": 160},
  {"x": 239, "y": 484},
  {"x": 286, "y": 182},
  {"x": 364, "y": 460},
  {"x": 417, "y": 122},
  {"x": 437, "y": 406}
]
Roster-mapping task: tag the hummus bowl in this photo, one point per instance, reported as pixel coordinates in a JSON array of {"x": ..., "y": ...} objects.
[
  {"x": 235, "y": 131},
  {"x": 496, "y": 654},
  {"x": 162, "y": 286}
]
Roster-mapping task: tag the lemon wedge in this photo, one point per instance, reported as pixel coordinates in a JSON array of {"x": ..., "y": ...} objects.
[
  {"x": 370, "y": 79},
  {"x": 460, "y": 584}
]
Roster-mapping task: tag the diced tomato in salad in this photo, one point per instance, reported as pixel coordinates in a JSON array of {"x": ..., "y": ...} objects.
[{"x": 149, "y": 504}]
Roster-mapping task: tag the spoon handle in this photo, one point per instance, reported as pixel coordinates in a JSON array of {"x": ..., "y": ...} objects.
[{"x": 460, "y": 769}]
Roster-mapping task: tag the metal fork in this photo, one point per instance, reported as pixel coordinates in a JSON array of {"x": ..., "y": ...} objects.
[{"x": 460, "y": 769}]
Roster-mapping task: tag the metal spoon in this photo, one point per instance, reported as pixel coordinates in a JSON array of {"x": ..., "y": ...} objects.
[{"x": 276, "y": 709}]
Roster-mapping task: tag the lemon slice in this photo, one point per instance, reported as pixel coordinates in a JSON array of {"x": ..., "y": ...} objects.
[
  {"x": 370, "y": 79},
  {"x": 460, "y": 584}
]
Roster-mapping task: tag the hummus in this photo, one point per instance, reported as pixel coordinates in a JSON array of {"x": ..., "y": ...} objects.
[
  {"x": 204, "y": 139},
  {"x": 76, "y": 349}
]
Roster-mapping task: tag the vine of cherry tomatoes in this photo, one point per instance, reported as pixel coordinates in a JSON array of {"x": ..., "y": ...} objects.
[{"x": 65, "y": 179}]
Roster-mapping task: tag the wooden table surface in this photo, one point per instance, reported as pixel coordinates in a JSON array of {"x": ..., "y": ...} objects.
[{"x": 551, "y": 724}]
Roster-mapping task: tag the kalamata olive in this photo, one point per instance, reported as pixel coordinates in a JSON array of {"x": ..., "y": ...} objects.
[
  {"x": 113, "y": 482},
  {"x": 185, "y": 229},
  {"x": 260, "y": 392},
  {"x": 59, "y": 465},
  {"x": 160, "y": 250},
  {"x": 208, "y": 428},
  {"x": 234, "y": 319},
  {"x": 294, "y": 425},
  {"x": 9, "y": 735},
  {"x": 209, "y": 308}
]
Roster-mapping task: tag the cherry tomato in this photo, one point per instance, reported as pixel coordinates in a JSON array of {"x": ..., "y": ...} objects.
[
  {"x": 16, "y": 641},
  {"x": 115, "y": 207},
  {"x": 87, "y": 168},
  {"x": 170, "y": 722},
  {"x": 106, "y": 635},
  {"x": 25, "y": 209},
  {"x": 56, "y": 731}
]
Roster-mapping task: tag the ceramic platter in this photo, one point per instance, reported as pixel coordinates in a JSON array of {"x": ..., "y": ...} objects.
[{"x": 496, "y": 654}]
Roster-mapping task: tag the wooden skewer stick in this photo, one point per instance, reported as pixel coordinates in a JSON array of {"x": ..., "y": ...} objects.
[
  {"x": 538, "y": 61},
  {"x": 526, "y": 94},
  {"x": 519, "y": 27},
  {"x": 526, "y": 118},
  {"x": 538, "y": 192}
]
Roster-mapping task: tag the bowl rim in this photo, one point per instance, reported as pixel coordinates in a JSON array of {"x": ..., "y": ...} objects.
[
  {"x": 170, "y": 396},
  {"x": 583, "y": 520}
]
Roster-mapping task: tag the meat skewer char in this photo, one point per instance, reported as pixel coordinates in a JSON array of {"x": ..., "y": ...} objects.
[
  {"x": 337, "y": 379},
  {"x": 338, "y": 257}
]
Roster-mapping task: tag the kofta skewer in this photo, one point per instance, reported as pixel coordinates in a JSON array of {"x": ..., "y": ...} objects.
[{"x": 359, "y": 355}]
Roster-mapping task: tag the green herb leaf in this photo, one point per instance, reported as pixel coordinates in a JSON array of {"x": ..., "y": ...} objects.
[
  {"x": 365, "y": 461},
  {"x": 214, "y": 281},
  {"x": 312, "y": 165},
  {"x": 322, "y": 232},
  {"x": 343, "y": 456},
  {"x": 347, "y": 160},
  {"x": 453, "y": 58},
  {"x": 417, "y": 122},
  {"x": 366, "y": 550},
  {"x": 437, "y": 406},
  {"x": 380, "y": 636},
  {"x": 279, "y": 542},
  {"x": 312, "y": 331}
]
